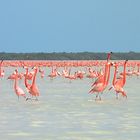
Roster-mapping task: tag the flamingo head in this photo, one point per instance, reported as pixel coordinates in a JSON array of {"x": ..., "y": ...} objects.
[
  {"x": 126, "y": 61},
  {"x": 16, "y": 71},
  {"x": 108, "y": 56},
  {"x": 110, "y": 63},
  {"x": 115, "y": 64},
  {"x": 35, "y": 68},
  {"x": 25, "y": 67}
]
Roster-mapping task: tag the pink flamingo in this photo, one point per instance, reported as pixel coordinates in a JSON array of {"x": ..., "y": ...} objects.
[
  {"x": 102, "y": 82},
  {"x": 15, "y": 75},
  {"x": 91, "y": 74},
  {"x": 1, "y": 71},
  {"x": 18, "y": 90},
  {"x": 118, "y": 84},
  {"x": 65, "y": 72},
  {"x": 41, "y": 73},
  {"x": 80, "y": 74},
  {"x": 101, "y": 76},
  {"x": 101, "y": 85},
  {"x": 71, "y": 76},
  {"x": 12, "y": 76},
  {"x": 33, "y": 89},
  {"x": 137, "y": 73},
  {"x": 53, "y": 73},
  {"x": 27, "y": 76}
]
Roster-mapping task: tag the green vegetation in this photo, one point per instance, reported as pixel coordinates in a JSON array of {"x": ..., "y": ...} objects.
[{"x": 69, "y": 56}]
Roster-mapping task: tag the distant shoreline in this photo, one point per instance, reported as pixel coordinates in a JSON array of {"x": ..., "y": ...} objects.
[{"x": 69, "y": 56}]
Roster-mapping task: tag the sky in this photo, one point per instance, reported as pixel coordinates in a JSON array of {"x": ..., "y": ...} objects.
[{"x": 69, "y": 25}]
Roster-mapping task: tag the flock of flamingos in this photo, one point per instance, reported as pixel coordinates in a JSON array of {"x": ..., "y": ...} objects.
[{"x": 99, "y": 71}]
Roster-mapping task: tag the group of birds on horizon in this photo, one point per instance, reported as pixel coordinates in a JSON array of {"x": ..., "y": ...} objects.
[{"x": 98, "y": 86}]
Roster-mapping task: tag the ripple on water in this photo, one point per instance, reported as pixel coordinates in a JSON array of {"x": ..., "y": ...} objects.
[
  {"x": 37, "y": 124},
  {"x": 19, "y": 133}
]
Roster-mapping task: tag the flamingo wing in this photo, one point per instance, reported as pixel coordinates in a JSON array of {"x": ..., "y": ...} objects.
[{"x": 19, "y": 92}]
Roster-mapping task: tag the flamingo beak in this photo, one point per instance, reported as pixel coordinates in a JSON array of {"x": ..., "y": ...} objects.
[{"x": 112, "y": 64}]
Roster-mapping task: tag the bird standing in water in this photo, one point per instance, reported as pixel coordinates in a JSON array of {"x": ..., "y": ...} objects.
[
  {"x": 118, "y": 84},
  {"x": 18, "y": 90}
]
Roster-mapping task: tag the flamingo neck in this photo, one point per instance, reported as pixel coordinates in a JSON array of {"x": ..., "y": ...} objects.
[
  {"x": 108, "y": 75},
  {"x": 105, "y": 73},
  {"x": 0, "y": 71},
  {"x": 34, "y": 77},
  {"x": 114, "y": 78},
  {"x": 16, "y": 83},
  {"x": 25, "y": 80},
  {"x": 1, "y": 65},
  {"x": 138, "y": 69},
  {"x": 69, "y": 71},
  {"x": 52, "y": 69},
  {"x": 108, "y": 57},
  {"x": 124, "y": 74}
]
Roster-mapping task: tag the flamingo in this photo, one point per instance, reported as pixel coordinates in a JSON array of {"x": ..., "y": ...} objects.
[
  {"x": 65, "y": 73},
  {"x": 41, "y": 73},
  {"x": 1, "y": 71},
  {"x": 27, "y": 76},
  {"x": 92, "y": 74},
  {"x": 71, "y": 76},
  {"x": 80, "y": 74},
  {"x": 33, "y": 89},
  {"x": 118, "y": 84},
  {"x": 101, "y": 83},
  {"x": 15, "y": 75},
  {"x": 101, "y": 76},
  {"x": 18, "y": 90},
  {"x": 53, "y": 73},
  {"x": 137, "y": 73}
]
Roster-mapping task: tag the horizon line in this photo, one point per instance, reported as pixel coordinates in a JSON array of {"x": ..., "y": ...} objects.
[{"x": 75, "y": 52}]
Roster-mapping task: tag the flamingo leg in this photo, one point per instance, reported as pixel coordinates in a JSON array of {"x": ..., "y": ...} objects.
[
  {"x": 126, "y": 96},
  {"x": 96, "y": 97},
  {"x": 117, "y": 96},
  {"x": 28, "y": 98},
  {"x": 100, "y": 97}
]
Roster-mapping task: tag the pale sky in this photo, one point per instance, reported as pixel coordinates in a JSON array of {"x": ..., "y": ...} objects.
[{"x": 69, "y": 25}]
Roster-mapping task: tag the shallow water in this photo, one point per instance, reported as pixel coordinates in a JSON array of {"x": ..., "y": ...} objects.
[{"x": 65, "y": 111}]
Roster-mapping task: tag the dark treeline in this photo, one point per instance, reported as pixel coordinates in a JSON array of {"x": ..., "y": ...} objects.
[{"x": 69, "y": 56}]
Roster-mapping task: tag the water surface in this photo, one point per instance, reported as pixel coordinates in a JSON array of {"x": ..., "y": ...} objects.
[{"x": 65, "y": 111}]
